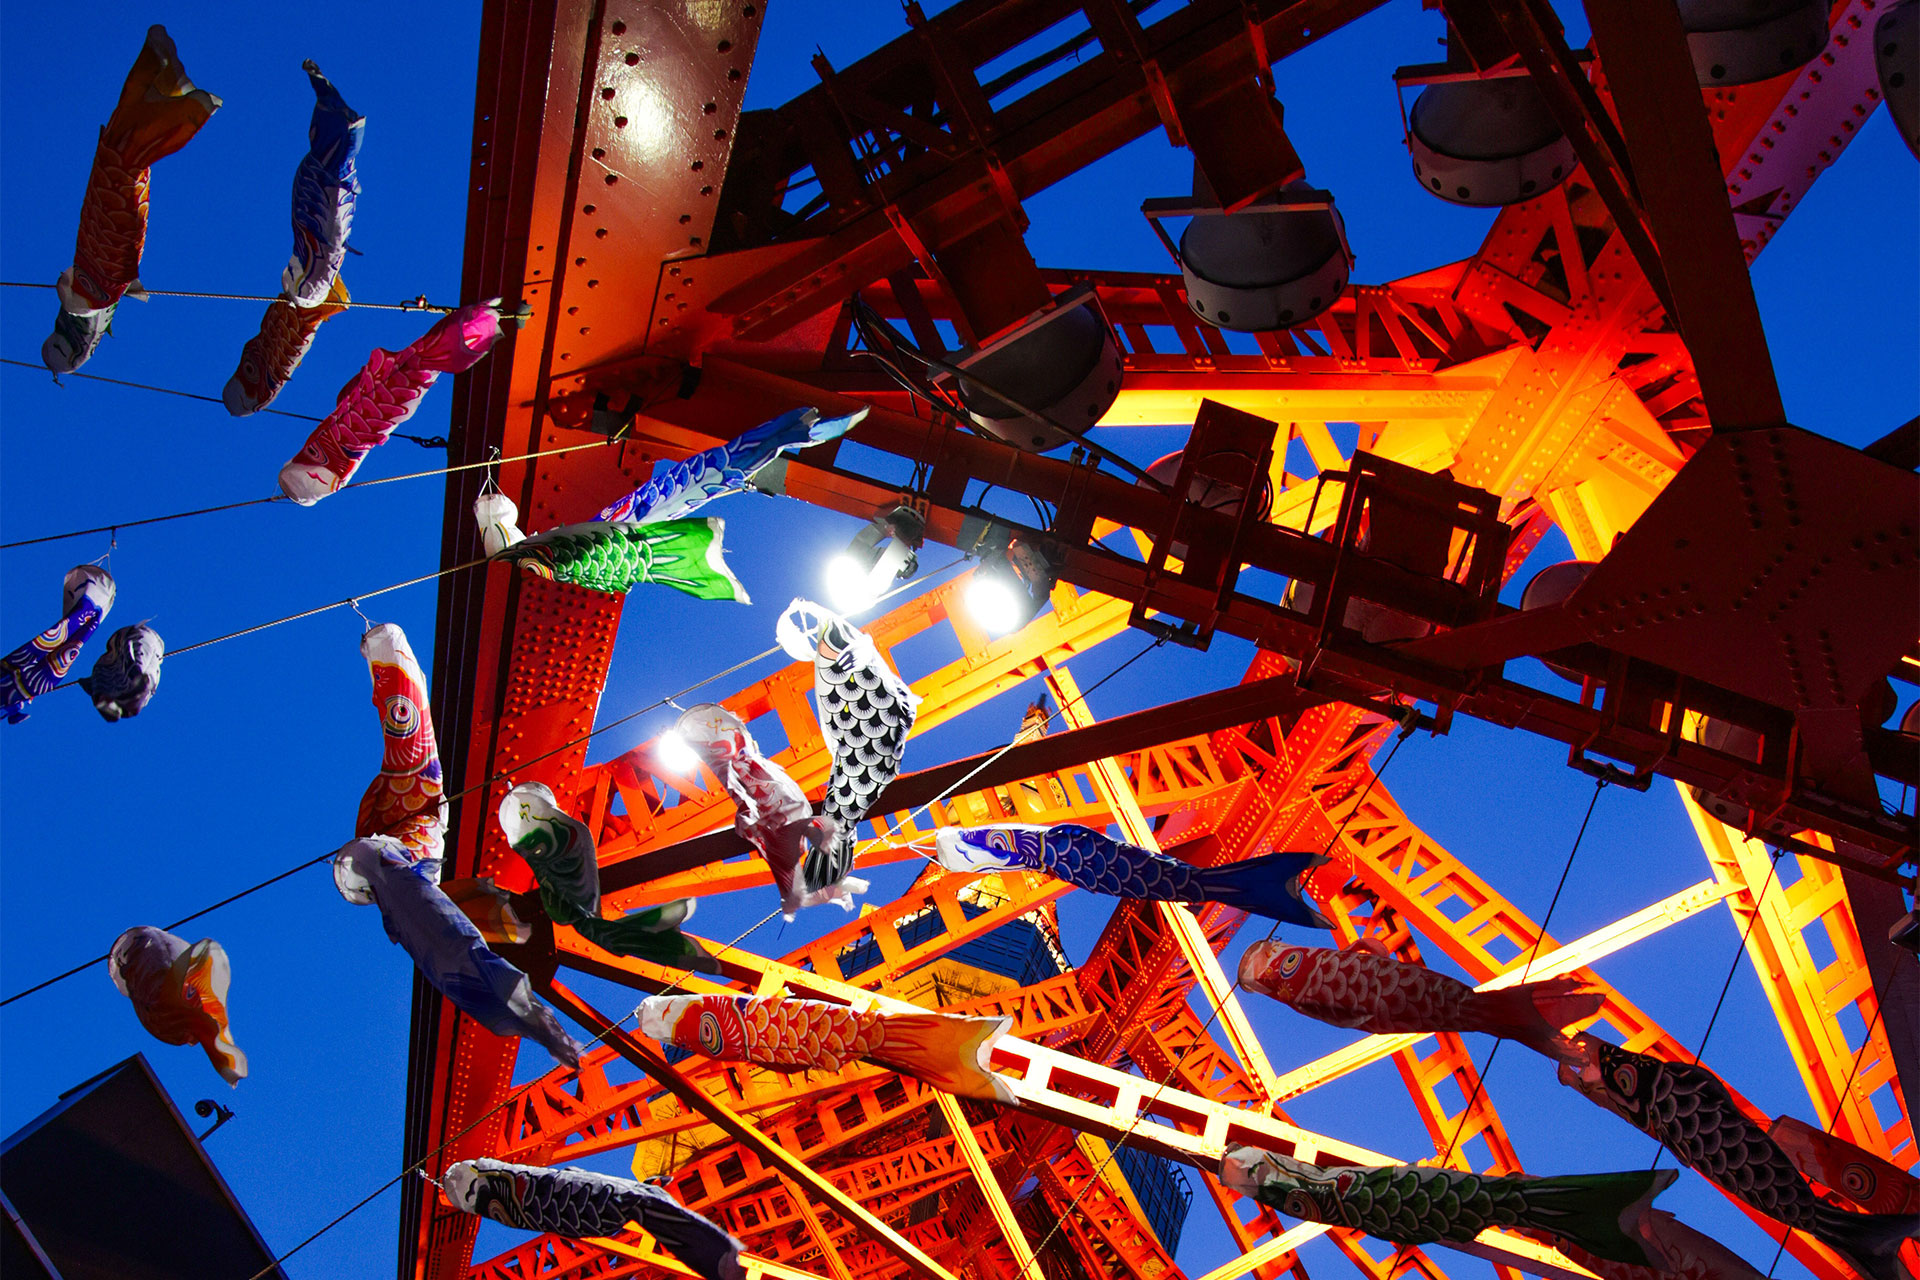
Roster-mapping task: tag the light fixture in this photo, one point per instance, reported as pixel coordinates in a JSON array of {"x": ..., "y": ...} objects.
[
  {"x": 1060, "y": 367},
  {"x": 1896, "y": 42},
  {"x": 1214, "y": 493},
  {"x": 1745, "y": 41},
  {"x": 1009, "y": 587},
  {"x": 858, "y": 576},
  {"x": 1267, "y": 266},
  {"x": 1483, "y": 140},
  {"x": 673, "y": 752},
  {"x": 1549, "y": 587},
  {"x": 1734, "y": 740}
]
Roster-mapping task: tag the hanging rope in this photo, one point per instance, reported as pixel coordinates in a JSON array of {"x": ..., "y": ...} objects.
[
  {"x": 1480, "y": 1084},
  {"x": 893, "y": 830},
  {"x": 417, "y": 304},
  {"x": 425, "y": 442},
  {"x": 485, "y": 782},
  {"x": 145, "y": 386},
  {"x": 1141, "y": 1111},
  {"x": 1786, "y": 1233},
  {"x": 281, "y": 497},
  {"x": 419, "y": 1166},
  {"x": 1659, "y": 1150}
]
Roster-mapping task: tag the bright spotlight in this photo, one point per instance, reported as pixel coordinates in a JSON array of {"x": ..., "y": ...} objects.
[
  {"x": 1010, "y": 586},
  {"x": 993, "y": 602},
  {"x": 675, "y": 754},
  {"x": 880, "y": 553},
  {"x": 847, "y": 584}
]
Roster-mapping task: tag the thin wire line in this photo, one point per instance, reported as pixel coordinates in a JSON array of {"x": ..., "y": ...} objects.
[
  {"x": 425, "y": 442},
  {"x": 481, "y": 785},
  {"x": 281, "y": 497},
  {"x": 147, "y": 386},
  {"x": 1659, "y": 1148},
  {"x": 419, "y": 304},
  {"x": 82, "y": 968},
  {"x": 1141, "y": 1111},
  {"x": 353, "y": 601},
  {"x": 893, "y": 830},
  {"x": 1480, "y": 1082},
  {"x": 505, "y": 1102},
  {"x": 337, "y": 604},
  {"x": 1839, "y": 1104}
]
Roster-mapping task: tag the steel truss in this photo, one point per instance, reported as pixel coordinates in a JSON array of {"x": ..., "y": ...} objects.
[{"x": 690, "y": 287}]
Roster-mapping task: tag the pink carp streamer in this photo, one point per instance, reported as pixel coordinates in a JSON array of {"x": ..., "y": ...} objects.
[{"x": 383, "y": 395}]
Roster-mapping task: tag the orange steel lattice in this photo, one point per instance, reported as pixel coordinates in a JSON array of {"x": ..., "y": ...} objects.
[{"x": 1561, "y": 374}]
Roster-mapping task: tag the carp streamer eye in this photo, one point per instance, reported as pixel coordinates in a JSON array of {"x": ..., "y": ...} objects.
[
  {"x": 1858, "y": 1181},
  {"x": 1290, "y": 961},
  {"x": 399, "y": 716},
  {"x": 710, "y": 1038},
  {"x": 1626, "y": 1079},
  {"x": 1300, "y": 1205}
]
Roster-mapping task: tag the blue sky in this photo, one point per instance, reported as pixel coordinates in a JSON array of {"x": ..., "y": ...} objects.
[{"x": 254, "y": 754}]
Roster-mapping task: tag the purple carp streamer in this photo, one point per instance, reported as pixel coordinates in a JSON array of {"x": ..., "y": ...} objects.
[
  {"x": 43, "y": 662},
  {"x": 445, "y": 945},
  {"x": 325, "y": 190},
  {"x": 1269, "y": 885},
  {"x": 126, "y": 676},
  {"x": 683, "y": 486}
]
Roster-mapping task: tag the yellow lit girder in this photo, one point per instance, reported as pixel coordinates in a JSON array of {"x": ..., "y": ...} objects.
[
  {"x": 1071, "y": 1091},
  {"x": 1807, "y": 995},
  {"x": 1576, "y": 955}
]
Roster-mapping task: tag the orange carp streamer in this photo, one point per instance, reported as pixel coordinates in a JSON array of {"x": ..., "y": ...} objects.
[
  {"x": 268, "y": 360},
  {"x": 944, "y": 1050},
  {"x": 179, "y": 993},
  {"x": 1376, "y": 993},
  {"x": 159, "y": 112}
]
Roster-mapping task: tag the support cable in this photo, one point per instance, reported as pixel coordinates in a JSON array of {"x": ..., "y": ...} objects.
[
  {"x": 1140, "y": 1114},
  {"x": 1786, "y": 1233},
  {"x": 147, "y": 386},
  {"x": 416, "y": 304},
  {"x": 281, "y": 497},
  {"x": 1659, "y": 1148},
  {"x": 1479, "y": 1084},
  {"x": 425, "y": 442},
  {"x": 477, "y": 786}
]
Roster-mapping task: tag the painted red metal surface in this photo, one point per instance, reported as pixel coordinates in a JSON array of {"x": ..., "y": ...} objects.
[{"x": 652, "y": 227}]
